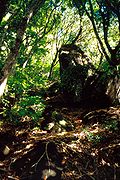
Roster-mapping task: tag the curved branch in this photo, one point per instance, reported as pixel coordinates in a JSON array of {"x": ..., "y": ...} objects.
[
  {"x": 76, "y": 38},
  {"x": 115, "y": 8},
  {"x": 91, "y": 17},
  {"x": 53, "y": 62},
  {"x": 106, "y": 19}
]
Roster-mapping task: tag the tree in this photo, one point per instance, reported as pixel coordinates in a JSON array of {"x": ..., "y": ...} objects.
[
  {"x": 30, "y": 11},
  {"x": 32, "y": 38},
  {"x": 3, "y": 4},
  {"x": 31, "y": 35},
  {"x": 101, "y": 14}
]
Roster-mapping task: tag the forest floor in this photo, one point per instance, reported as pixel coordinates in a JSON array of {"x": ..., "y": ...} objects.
[{"x": 77, "y": 143}]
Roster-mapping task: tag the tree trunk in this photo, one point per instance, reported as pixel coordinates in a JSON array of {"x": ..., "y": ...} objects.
[{"x": 3, "y": 8}]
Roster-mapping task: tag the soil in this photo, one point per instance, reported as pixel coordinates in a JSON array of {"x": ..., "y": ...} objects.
[{"x": 83, "y": 143}]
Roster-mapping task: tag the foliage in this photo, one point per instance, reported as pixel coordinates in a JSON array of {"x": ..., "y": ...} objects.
[
  {"x": 32, "y": 47},
  {"x": 111, "y": 125},
  {"x": 102, "y": 14},
  {"x": 17, "y": 101},
  {"x": 29, "y": 106},
  {"x": 95, "y": 139}
]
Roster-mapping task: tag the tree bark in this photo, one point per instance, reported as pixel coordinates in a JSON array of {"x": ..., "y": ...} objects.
[{"x": 3, "y": 8}]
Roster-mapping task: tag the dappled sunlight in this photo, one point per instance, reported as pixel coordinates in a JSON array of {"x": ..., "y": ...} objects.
[
  {"x": 86, "y": 150},
  {"x": 60, "y": 106}
]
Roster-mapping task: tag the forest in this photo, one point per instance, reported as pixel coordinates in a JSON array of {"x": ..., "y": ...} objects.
[{"x": 59, "y": 89}]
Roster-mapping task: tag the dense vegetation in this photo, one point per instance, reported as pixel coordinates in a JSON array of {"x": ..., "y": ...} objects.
[
  {"x": 32, "y": 33},
  {"x": 59, "y": 52}
]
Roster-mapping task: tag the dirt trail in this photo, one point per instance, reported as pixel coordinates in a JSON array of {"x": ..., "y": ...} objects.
[{"x": 86, "y": 146}]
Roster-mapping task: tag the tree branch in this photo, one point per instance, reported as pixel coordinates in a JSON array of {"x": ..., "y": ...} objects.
[
  {"x": 53, "y": 62},
  {"x": 76, "y": 38},
  {"x": 115, "y": 8},
  {"x": 91, "y": 17}
]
